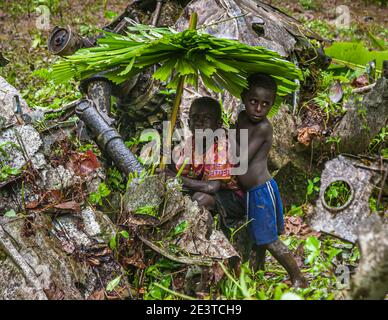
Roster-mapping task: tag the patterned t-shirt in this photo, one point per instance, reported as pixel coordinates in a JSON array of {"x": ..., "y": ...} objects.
[{"x": 207, "y": 166}]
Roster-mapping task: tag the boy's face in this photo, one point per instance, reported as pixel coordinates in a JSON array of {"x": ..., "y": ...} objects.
[
  {"x": 258, "y": 102},
  {"x": 203, "y": 117}
]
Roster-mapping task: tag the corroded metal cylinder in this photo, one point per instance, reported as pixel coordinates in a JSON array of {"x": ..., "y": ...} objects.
[
  {"x": 65, "y": 42},
  {"x": 107, "y": 138},
  {"x": 99, "y": 90}
]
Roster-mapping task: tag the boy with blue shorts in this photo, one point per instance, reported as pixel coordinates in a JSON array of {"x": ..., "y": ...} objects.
[{"x": 262, "y": 198}]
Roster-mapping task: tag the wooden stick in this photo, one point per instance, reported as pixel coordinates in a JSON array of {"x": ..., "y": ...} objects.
[
  {"x": 185, "y": 260},
  {"x": 177, "y": 100},
  {"x": 364, "y": 89}
]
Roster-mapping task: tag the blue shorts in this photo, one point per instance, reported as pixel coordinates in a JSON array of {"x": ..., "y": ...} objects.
[{"x": 265, "y": 210}]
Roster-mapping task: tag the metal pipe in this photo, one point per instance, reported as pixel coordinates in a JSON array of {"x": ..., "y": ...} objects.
[
  {"x": 99, "y": 91},
  {"x": 65, "y": 42},
  {"x": 107, "y": 138}
]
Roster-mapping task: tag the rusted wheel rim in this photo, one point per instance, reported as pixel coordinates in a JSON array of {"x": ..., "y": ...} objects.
[{"x": 346, "y": 204}]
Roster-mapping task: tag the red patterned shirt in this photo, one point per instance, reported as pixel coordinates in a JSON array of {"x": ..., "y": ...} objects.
[{"x": 208, "y": 166}]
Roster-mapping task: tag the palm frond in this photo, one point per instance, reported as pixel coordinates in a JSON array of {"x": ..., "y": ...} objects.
[
  {"x": 222, "y": 64},
  {"x": 355, "y": 55}
]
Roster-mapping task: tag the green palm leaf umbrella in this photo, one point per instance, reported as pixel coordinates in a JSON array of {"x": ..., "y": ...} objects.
[{"x": 222, "y": 64}]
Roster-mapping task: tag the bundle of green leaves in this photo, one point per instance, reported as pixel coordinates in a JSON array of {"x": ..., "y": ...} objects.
[{"x": 222, "y": 64}]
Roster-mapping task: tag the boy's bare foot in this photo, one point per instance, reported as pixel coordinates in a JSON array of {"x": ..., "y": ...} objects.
[{"x": 281, "y": 253}]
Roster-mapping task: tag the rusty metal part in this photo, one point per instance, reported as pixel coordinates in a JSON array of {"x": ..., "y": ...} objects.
[
  {"x": 115, "y": 24},
  {"x": 64, "y": 41},
  {"x": 99, "y": 91},
  {"x": 344, "y": 221},
  {"x": 67, "y": 108},
  {"x": 123, "y": 24},
  {"x": 370, "y": 282},
  {"x": 345, "y": 205},
  {"x": 107, "y": 138},
  {"x": 355, "y": 132},
  {"x": 21, "y": 117},
  {"x": 173, "y": 208},
  {"x": 3, "y": 60}
]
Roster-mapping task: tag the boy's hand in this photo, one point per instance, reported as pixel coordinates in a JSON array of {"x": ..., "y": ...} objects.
[
  {"x": 168, "y": 172},
  {"x": 209, "y": 226}
]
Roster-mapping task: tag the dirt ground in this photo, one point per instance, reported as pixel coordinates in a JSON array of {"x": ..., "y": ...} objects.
[{"x": 359, "y": 10}]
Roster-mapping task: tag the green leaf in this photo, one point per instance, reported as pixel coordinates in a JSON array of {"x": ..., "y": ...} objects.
[
  {"x": 377, "y": 43},
  {"x": 355, "y": 55},
  {"x": 10, "y": 214},
  {"x": 333, "y": 252},
  {"x": 124, "y": 234},
  {"x": 164, "y": 72},
  {"x": 113, "y": 284},
  {"x": 313, "y": 244},
  {"x": 183, "y": 67},
  {"x": 179, "y": 229},
  {"x": 128, "y": 68},
  {"x": 113, "y": 243},
  {"x": 110, "y": 15},
  {"x": 310, "y": 187},
  {"x": 290, "y": 296},
  {"x": 243, "y": 284},
  {"x": 103, "y": 190}
]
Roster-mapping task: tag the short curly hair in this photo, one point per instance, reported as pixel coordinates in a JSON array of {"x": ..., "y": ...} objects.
[
  {"x": 213, "y": 104},
  {"x": 262, "y": 80}
]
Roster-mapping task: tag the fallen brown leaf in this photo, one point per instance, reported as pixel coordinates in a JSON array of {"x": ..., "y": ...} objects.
[
  {"x": 93, "y": 261},
  {"x": 135, "y": 261},
  {"x": 361, "y": 81},
  {"x": 97, "y": 295},
  {"x": 70, "y": 205},
  {"x": 88, "y": 163},
  {"x": 306, "y": 134},
  {"x": 33, "y": 204}
]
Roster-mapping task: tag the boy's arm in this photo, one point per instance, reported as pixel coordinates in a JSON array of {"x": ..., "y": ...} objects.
[
  {"x": 211, "y": 186},
  {"x": 202, "y": 186}
]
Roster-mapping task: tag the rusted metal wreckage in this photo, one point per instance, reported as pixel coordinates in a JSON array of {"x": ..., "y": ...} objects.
[{"x": 362, "y": 175}]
